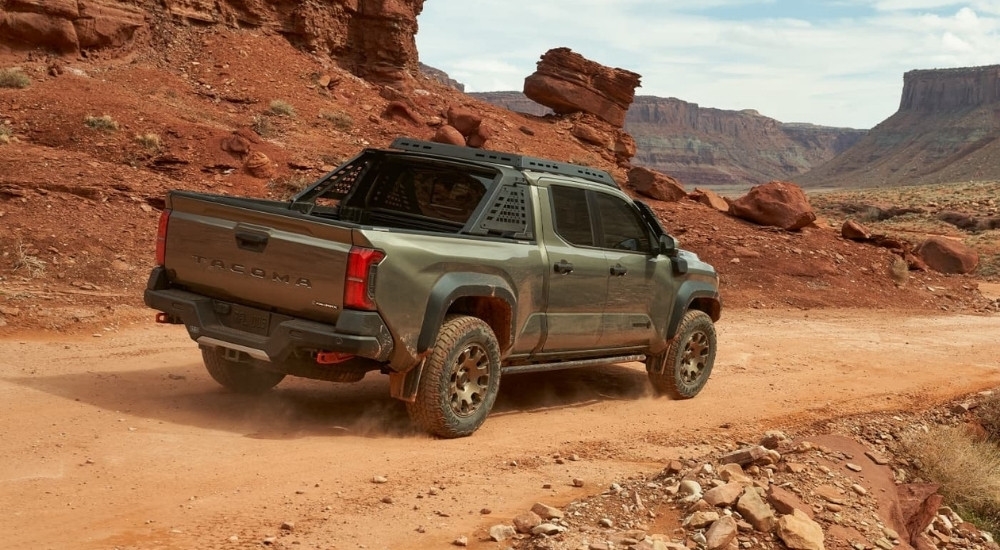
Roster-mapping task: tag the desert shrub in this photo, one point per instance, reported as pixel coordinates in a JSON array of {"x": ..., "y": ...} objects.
[
  {"x": 263, "y": 127},
  {"x": 967, "y": 469},
  {"x": 25, "y": 258},
  {"x": 341, "y": 121},
  {"x": 281, "y": 108},
  {"x": 149, "y": 141},
  {"x": 988, "y": 414},
  {"x": 6, "y": 133},
  {"x": 13, "y": 78},
  {"x": 103, "y": 123}
]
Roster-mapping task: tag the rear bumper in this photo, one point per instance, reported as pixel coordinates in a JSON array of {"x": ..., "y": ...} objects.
[{"x": 357, "y": 333}]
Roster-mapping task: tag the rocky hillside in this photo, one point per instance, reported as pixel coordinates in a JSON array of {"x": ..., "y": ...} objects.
[
  {"x": 705, "y": 147},
  {"x": 945, "y": 130},
  {"x": 372, "y": 39}
]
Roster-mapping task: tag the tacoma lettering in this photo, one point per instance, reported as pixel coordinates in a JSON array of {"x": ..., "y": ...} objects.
[{"x": 255, "y": 272}]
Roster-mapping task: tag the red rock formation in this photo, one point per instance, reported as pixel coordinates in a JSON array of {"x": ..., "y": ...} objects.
[
  {"x": 374, "y": 39},
  {"x": 778, "y": 204},
  {"x": 569, "y": 83},
  {"x": 854, "y": 231},
  {"x": 655, "y": 185}
]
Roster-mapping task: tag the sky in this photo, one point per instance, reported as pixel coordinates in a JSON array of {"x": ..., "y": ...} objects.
[{"x": 834, "y": 63}]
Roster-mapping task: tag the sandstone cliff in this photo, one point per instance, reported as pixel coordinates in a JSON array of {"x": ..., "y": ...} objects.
[
  {"x": 945, "y": 130},
  {"x": 374, "y": 38},
  {"x": 702, "y": 146}
]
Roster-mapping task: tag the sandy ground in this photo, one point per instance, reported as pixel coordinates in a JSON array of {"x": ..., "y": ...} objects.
[{"x": 123, "y": 441}]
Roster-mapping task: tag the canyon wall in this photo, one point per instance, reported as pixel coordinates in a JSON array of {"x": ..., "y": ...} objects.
[
  {"x": 946, "y": 130},
  {"x": 713, "y": 147}
]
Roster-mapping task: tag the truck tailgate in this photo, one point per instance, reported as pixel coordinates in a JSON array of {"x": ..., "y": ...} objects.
[{"x": 253, "y": 252}]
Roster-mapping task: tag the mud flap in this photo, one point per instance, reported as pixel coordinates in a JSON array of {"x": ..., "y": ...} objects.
[{"x": 403, "y": 385}]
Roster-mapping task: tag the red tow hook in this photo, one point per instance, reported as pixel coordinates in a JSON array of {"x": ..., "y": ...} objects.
[{"x": 332, "y": 357}]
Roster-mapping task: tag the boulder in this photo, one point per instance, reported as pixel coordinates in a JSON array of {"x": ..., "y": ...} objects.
[
  {"x": 918, "y": 504},
  {"x": 721, "y": 533},
  {"x": 854, "y": 231},
  {"x": 947, "y": 255},
  {"x": 655, "y": 185},
  {"x": 757, "y": 513},
  {"x": 259, "y": 165},
  {"x": 724, "y": 495},
  {"x": 798, "y": 532},
  {"x": 527, "y": 521},
  {"x": 464, "y": 120},
  {"x": 778, "y": 204},
  {"x": 567, "y": 82},
  {"x": 448, "y": 134},
  {"x": 479, "y": 138},
  {"x": 710, "y": 198},
  {"x": 786, "y": 502}
]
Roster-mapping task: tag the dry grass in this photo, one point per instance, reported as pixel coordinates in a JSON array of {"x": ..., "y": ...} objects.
[
  {"x": 280, "y": 107},
  {"x": 24, "y": 259},
  {"x": 103, "y": 123},
  {"x": 263, "y": 127},
  {"x": 149, "y": 141},
  {"x": 13, "y": 78},
  {"x": 988, "y": 414},
  {"x": 968, "y": 471},
  {"x": 6, "y": 133},
  {"x": 341, "y": 121}
]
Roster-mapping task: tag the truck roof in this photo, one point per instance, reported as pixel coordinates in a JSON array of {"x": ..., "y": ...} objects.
[{"x": 519, "y": 162}]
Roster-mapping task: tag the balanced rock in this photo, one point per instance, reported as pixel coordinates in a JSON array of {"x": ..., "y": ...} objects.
[{"x": 567, "y": 82}]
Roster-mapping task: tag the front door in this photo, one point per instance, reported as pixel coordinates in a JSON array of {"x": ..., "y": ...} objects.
[{"x": 578, "y": 274}]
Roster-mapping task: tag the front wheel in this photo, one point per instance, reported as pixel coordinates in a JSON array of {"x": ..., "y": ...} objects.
[
  {"x": 683, "y": 369},
  {"x": 239, "y": 377},
  {"x": 460, "y": 380}
]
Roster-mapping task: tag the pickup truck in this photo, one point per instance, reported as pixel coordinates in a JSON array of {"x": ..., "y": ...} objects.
[{"x": 445, "y": 268}]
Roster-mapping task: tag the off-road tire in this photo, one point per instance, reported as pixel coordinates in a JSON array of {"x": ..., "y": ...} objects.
[
  {"x": 682, "y": 370},
  {"x": 460, "y": 379},
  {"x": 249, "y": 378}
]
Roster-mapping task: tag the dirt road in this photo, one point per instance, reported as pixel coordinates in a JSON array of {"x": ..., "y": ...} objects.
[{"x": 123, "y": 441}]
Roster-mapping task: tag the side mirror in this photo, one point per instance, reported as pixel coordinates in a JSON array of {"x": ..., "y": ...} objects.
[{"x": 668, "y": 245}]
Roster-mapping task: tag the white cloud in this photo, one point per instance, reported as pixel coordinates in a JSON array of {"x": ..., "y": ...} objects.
[{"x": 844, "y": 71}]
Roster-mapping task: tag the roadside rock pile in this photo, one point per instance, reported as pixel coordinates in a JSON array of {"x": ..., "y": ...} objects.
[{"x": 822, "y": 492}]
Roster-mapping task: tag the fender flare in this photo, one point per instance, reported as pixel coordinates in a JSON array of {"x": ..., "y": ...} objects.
[
  {"x": 453, "y": 286},
  {"x": 686, "y": 294}
]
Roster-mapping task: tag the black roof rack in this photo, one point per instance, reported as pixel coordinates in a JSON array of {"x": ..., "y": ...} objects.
[{"x": 520, "y": 162}]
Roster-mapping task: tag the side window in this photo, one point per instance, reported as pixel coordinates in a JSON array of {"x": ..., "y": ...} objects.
[
  {"x": 572, "y": 219},
  {"x": 622, "y": 227}
]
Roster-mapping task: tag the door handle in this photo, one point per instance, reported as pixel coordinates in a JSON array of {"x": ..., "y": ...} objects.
[
  {"x": 618, "y": 270},
  {"x": 563, "y": 267},
  {"x": 253, "y": 242}
]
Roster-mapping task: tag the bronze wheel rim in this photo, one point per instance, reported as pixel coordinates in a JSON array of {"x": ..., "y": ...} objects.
[
  {"x": 470, "y": 380},
  {"x": 694, "y": 362}
]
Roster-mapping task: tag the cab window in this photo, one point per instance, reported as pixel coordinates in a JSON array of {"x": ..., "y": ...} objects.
[
  {"x": 622, "y": 229},
  {"x": 572, "y": 216}
]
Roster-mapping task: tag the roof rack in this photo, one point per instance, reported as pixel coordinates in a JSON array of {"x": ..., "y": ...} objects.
[{"x": 520, "y": 162}]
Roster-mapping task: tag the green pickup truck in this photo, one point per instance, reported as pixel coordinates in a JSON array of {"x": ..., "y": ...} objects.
[{"x": 444, "y": 267}]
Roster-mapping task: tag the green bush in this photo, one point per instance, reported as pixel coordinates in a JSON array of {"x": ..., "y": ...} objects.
[{"x": 341, "y": 121}]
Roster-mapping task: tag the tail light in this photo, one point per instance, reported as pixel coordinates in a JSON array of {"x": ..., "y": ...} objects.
[
  {"x": 359, "y": 287},
  {"x": 161, "y": 237}
]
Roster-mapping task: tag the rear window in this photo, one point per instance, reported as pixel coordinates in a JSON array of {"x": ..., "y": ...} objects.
[{"x": 435, "y": 191}]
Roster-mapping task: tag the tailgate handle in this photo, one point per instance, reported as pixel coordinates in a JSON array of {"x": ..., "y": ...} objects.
[{"x": 254, "y": 242}]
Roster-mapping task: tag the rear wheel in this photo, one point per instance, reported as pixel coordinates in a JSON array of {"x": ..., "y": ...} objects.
[
  {"x": 241, "y": 377},
  {"x": 683, "y": 369},
  {"x": 460, "y": 380}
]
